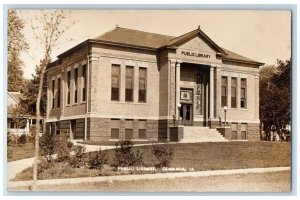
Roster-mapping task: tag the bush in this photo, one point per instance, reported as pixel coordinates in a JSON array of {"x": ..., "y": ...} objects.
[
  {"x": 22, "y": 139},
  {"x": 62, "y": 148},
  {"x": 32, "y": 133},
  {"x": 125, "y": 156},
  {"x": 45, "y": 164},
  {"x": 77, "y": 161},
  {"x": 96, "y": 160},
  {"x": 11, "y": 139},
  {"x": 46, "y": 143},
  {"x": 164, "y": 154}
]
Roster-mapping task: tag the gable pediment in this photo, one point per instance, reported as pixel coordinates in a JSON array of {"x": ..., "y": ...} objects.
[
  {"x": 196, "y": 49},
  {"x": 196, "y": 44}
]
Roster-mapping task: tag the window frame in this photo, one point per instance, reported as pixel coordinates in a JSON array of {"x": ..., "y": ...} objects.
[
  {"x": 144, "y": 99},
  {"x": 84, "y": 82},
  {"x": 68, "y": 87},
  {"x": 224, "y": 98},
  {"x": 131, "y": 76},
  {"x": 234, "y": 88},
  {"x": 58, "y": 92},
  {"x": 243, "y": 99},
  {"x": 118, "y": 77},
  {"x": 76, "y": 73},
  {"x": 53, "y": 94}
]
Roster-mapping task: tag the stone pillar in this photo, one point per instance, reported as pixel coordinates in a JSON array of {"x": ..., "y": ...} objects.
[
  {"x": 211, "y": 93},
  {"x": 177, "y": 89},
  {"x": 172, "y": 85},
  {"x": 238, "y": 87},
  {"x": 93, "y": 82},
  {"x": 256, "y": 115},
  {"x": 218, "y": 91}
]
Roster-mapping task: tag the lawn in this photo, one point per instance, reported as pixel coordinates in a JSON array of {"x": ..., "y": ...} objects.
[
  {"x": 199, "y": 156},
  {"x": 260, "y": 182},
  {"x": 113, "y": 143},
  {"x": 20, "y": 151}
]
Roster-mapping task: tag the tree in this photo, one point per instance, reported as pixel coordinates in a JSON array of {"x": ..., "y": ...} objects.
[
  {"x": 47, "y": 30},
  {"x": 16, "y": 44},
  {"x": 275, "y": 98},
  {"x": 28, "y": 102}
]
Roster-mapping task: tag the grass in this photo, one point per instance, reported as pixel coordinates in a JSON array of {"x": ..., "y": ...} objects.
[
  {"x": 20, "y": 151},
  {"x": 199, "y": 156},
  {"x": 113, "y": 143},
  {"x": 259, "y": 182}
]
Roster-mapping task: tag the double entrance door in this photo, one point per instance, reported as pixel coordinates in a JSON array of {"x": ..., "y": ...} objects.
[{"x": 186, "y": 114}]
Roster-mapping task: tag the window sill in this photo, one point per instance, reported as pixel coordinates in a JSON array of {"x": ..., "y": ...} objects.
[{"x": 131, "y": 103}]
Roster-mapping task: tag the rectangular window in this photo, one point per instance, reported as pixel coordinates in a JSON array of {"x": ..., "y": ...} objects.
[
  {"x": 142, "y": 84},
  {"x": 115, "y": 82},
  {"x": 84, "y": 83},
  {"x": 129, "y": 84},
  {"x": 75, "y": 85},
  {"x": 115, "y": 127},
  {"x": 233, "y": 92},
  {"x": 243, "y": 93},
  {"x": 53, "y": 97},
  {"x": 243, "y": 131},
  {"x": 224, "y": 92},
  {"x": 58, "y": 92},
  {"x": 234, "y": 130},
  {"x": 142, "y": 129},
  {"x": 68, "y": 87},
  {"x": 128, "y": 129}
]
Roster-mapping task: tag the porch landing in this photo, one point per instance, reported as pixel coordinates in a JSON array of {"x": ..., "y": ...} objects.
[{"x": 201, "y": 134}]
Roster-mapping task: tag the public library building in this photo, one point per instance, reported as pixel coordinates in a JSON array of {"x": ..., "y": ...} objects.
[{"x": 129, "y": 84}]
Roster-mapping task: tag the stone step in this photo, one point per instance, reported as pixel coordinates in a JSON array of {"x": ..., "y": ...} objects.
[{"x": 193, "y": 134}]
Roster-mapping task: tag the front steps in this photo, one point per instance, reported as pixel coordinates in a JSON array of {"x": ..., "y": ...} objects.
[{"x": 192, "y": 134}]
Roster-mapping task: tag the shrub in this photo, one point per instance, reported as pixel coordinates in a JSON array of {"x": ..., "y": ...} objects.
[
  {"x": 164, "y": 154},
  {"x": 46, "y": 143},
  {"x": 32, "y": 133},
  {"x": 62, "y": 147},
  {"x": 96, "y": 160},
  {"x": 11, "y": 139},
  {"x": 45, "y": 164},
  {"x": 125, "y": 156},
  {"x": 22, "y": 138},
  {"x": 77, "y": 161}
]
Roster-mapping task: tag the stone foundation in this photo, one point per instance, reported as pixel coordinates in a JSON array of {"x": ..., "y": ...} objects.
[{"x": 253, "y": 132}]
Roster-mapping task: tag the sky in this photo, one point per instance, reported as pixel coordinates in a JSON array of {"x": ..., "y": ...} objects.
[{"x": 262, "y": 35}]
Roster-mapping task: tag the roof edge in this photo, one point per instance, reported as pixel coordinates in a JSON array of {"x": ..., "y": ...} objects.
[
  {"x": 193, "y": 33},
  {"x": 243, "y": 61}
]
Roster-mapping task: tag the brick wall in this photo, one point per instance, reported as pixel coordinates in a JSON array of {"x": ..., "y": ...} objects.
[
  {"x": 99, "y": 129},
  {"x": 253, "y": 132}
]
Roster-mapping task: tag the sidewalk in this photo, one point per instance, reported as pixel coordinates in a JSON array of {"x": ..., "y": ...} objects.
[
  {"x": 15, "y": 167},
  {"x": 14, "y": 184}
]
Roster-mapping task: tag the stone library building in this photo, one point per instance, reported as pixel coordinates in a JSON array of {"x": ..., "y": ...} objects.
[{"x": 130, "y": 84}]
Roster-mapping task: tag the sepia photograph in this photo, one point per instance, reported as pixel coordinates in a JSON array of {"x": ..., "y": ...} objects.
[{"x": 116, "y": 100}]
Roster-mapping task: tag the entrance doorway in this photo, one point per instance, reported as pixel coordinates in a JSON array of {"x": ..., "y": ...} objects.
[{"x": 186, "y": 113}]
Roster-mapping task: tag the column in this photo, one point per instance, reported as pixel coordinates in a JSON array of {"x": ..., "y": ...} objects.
[
  {"x": 256, "y": 115},
  {"x": 177, "y": 89},
  {"x": 211, "y": 93},
  {"x": 172, "y": 86},
  {"x": 217, "y": 83},
  {"x": 229, "y": 91},
  {"x": 238, "y": 102},
  {"x": 93, "y": 68}
]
